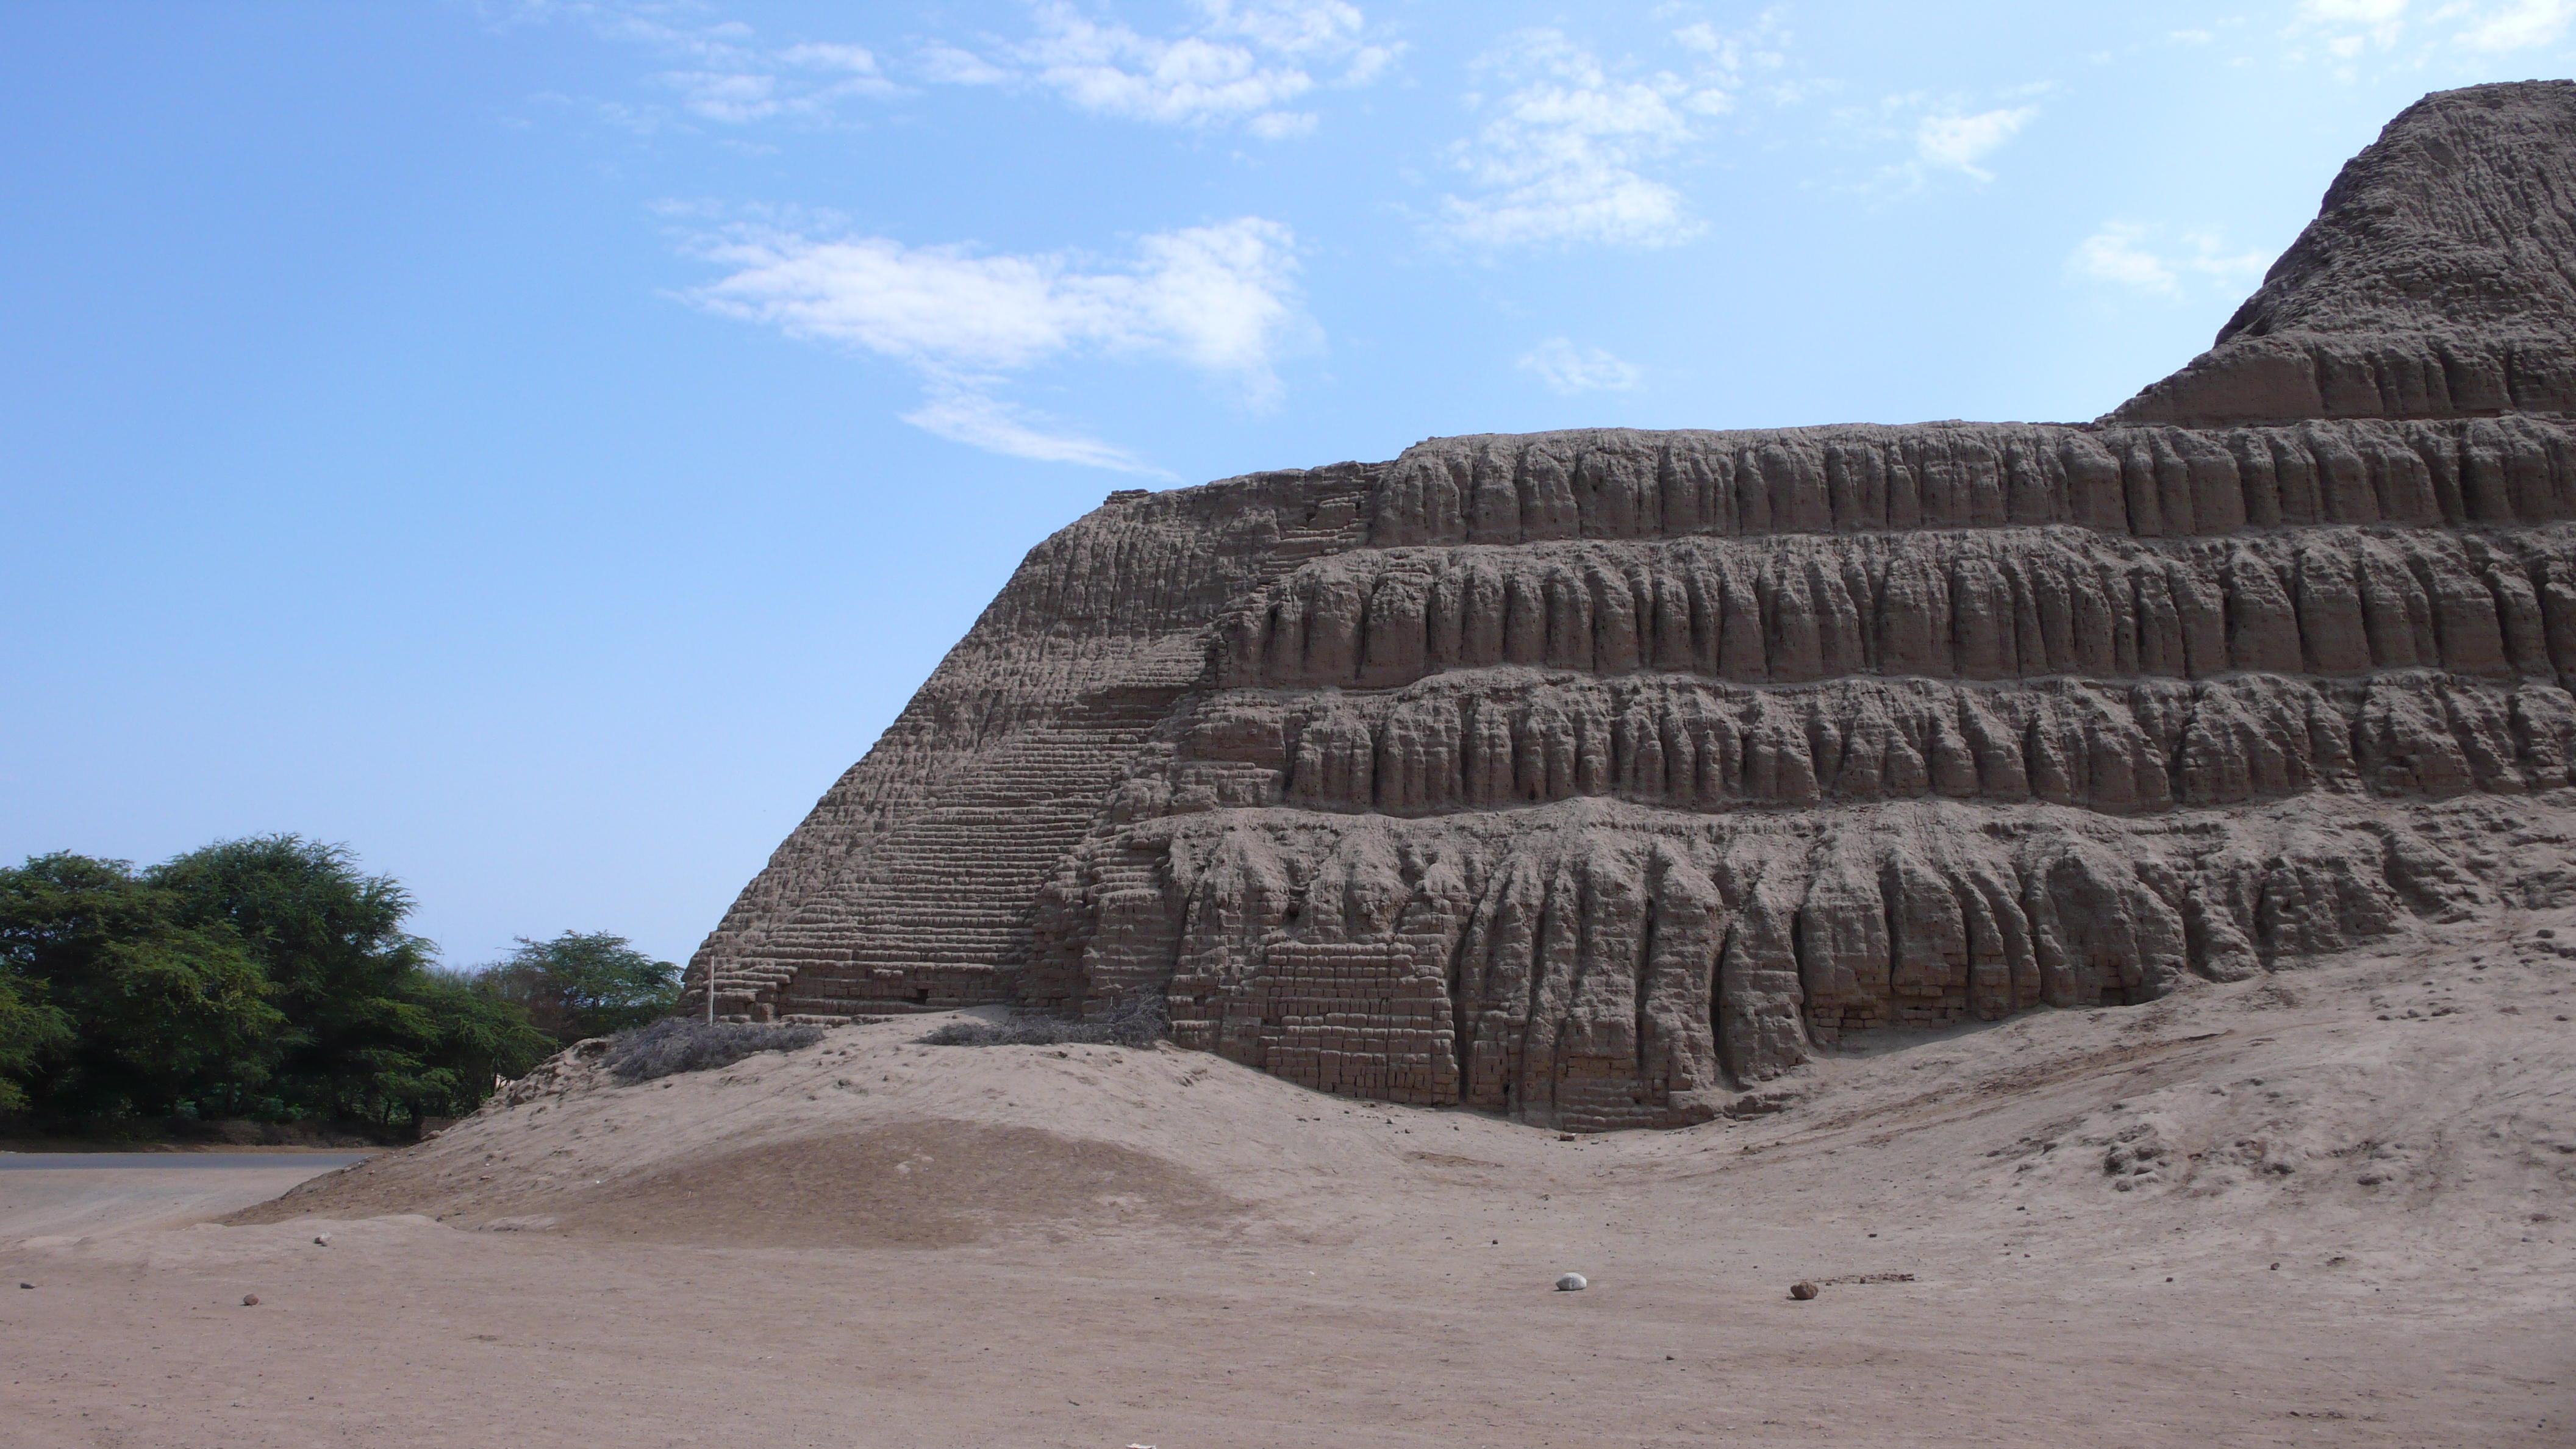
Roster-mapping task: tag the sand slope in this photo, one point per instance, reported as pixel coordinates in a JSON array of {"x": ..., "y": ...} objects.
[{"x": 873, "y": 1242}]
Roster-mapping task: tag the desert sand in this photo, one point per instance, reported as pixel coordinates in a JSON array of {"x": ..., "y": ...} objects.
[{"x": 2327, "y": 1206}]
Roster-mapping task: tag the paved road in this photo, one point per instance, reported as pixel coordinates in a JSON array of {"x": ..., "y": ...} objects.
[
  {"x": 64, "y": 1194},
  {"x": 189, "y": 1161}
]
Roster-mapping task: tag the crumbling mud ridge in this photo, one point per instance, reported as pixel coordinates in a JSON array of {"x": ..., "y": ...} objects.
[{"x": 1599, "y": 777}]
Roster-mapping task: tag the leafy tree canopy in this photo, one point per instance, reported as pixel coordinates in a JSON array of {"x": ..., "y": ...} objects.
[
  {"x": 29, "y": 1029},
  {"x": 583, "y": 984},
  {"x": 266, "y": 977},
  {"x": 127, "y": 1007}
]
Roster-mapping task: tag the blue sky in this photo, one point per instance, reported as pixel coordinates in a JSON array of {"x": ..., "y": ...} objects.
[{"x": 541, "y": 445}]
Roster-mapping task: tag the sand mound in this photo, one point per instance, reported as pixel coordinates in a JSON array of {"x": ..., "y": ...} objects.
[
  {"x": 929, "y": 1184},
  {"x": 2412, "y": 1105},
  {"x": 866, "y": 1139}
]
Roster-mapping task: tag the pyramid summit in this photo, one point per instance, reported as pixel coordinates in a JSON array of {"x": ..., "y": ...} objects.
[
  {"x": 1600, "y": 777},
  {"x": 2438, "y": 280}
]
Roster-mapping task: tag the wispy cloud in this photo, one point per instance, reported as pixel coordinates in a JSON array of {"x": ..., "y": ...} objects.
[
  {"x": 2521, "y": 25},
  {"x": 2127, "y": 254},
  {"x": 2345, "y": 33},
  {"x": 1220, "y": 299},
  {"x": 721, "y": 71},
  {"x": 1235, "y": 61},
  {"x": 1565, "y": 153},
  {"x": 2348, "y": 27},
  {"x": 947, "y": 65},
  {"x": 1243, "y": 61},
  {"x": 1960, "y": 142},
  {"x": 1568, "y": 369},
  {"x": 963, "y": 415},
  {"x": 1937, "y": 134}
]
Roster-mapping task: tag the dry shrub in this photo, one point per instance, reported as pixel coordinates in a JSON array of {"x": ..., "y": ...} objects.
[
  {"x": 1132, "y": 1024},
  {"x": 686, "y": 1044}
]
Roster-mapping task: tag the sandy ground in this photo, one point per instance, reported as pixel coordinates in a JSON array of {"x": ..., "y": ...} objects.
[{"x": 2331, "y": 1207}]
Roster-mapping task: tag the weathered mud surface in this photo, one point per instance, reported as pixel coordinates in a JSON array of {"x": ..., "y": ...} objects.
[{"x": 1600, "y": 777}]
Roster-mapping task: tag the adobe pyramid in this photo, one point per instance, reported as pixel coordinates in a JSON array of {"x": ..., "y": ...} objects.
[{"x": 1599, "y": 777}]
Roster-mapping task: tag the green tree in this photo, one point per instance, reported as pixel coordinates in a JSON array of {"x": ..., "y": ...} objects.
[
  {"x": 583, "y": 984},
  {"x": 30, "y": 1030},
  {"x": 470, "y": 1039},
  {"x": 266, "y": 978},
  {"x": 371, "y": 1033},
  {"x": 123, "y": 1005}
]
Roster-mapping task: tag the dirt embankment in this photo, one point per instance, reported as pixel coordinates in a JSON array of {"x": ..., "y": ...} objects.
[{"x": 2327, "y": 1207}]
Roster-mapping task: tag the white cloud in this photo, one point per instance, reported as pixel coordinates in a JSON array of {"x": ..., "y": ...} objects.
[
  {"x": 969, "y": 417},
  {"x": 2114, "y": 255},
  {"x": 1243, "y": 61},
  {"x": 1292, "y": 27},
  {"x": 1936, "y": 133},
  {"x": 1703, "y": 37},
  {"x": 1113, "y": 70},
  {"x": 1959, "y": 142},
  {"x": 730, "y": 97},
  {"x": 1568, "y": 369},
  {"x": 1563, "y": 158},
  {"x": 723, "y": 74},
  {"x": 1370, "y": 62},
  {"x": 2121, "y": 253},
  {"x": 2348, "y": 30},
  {"x": 1217, "y": 297},
  {"x": 2519, "y": 25},
  {"x": 947, "y": 65},
  {"x": 1282, "y": 125},
  {"x": 2353, "y": 12},
  {"x": 1220, "y": 299},
  {"x": 1235, "y": 61},
  {"x": 817, "y": 55}
]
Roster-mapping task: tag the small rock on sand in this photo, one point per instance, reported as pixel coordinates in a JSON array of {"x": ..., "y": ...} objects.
[
  {"x": 1572, "y": 1283},
  {"x": 250, "y": 1300},
  {"x": 1803, "y": 1290}
]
